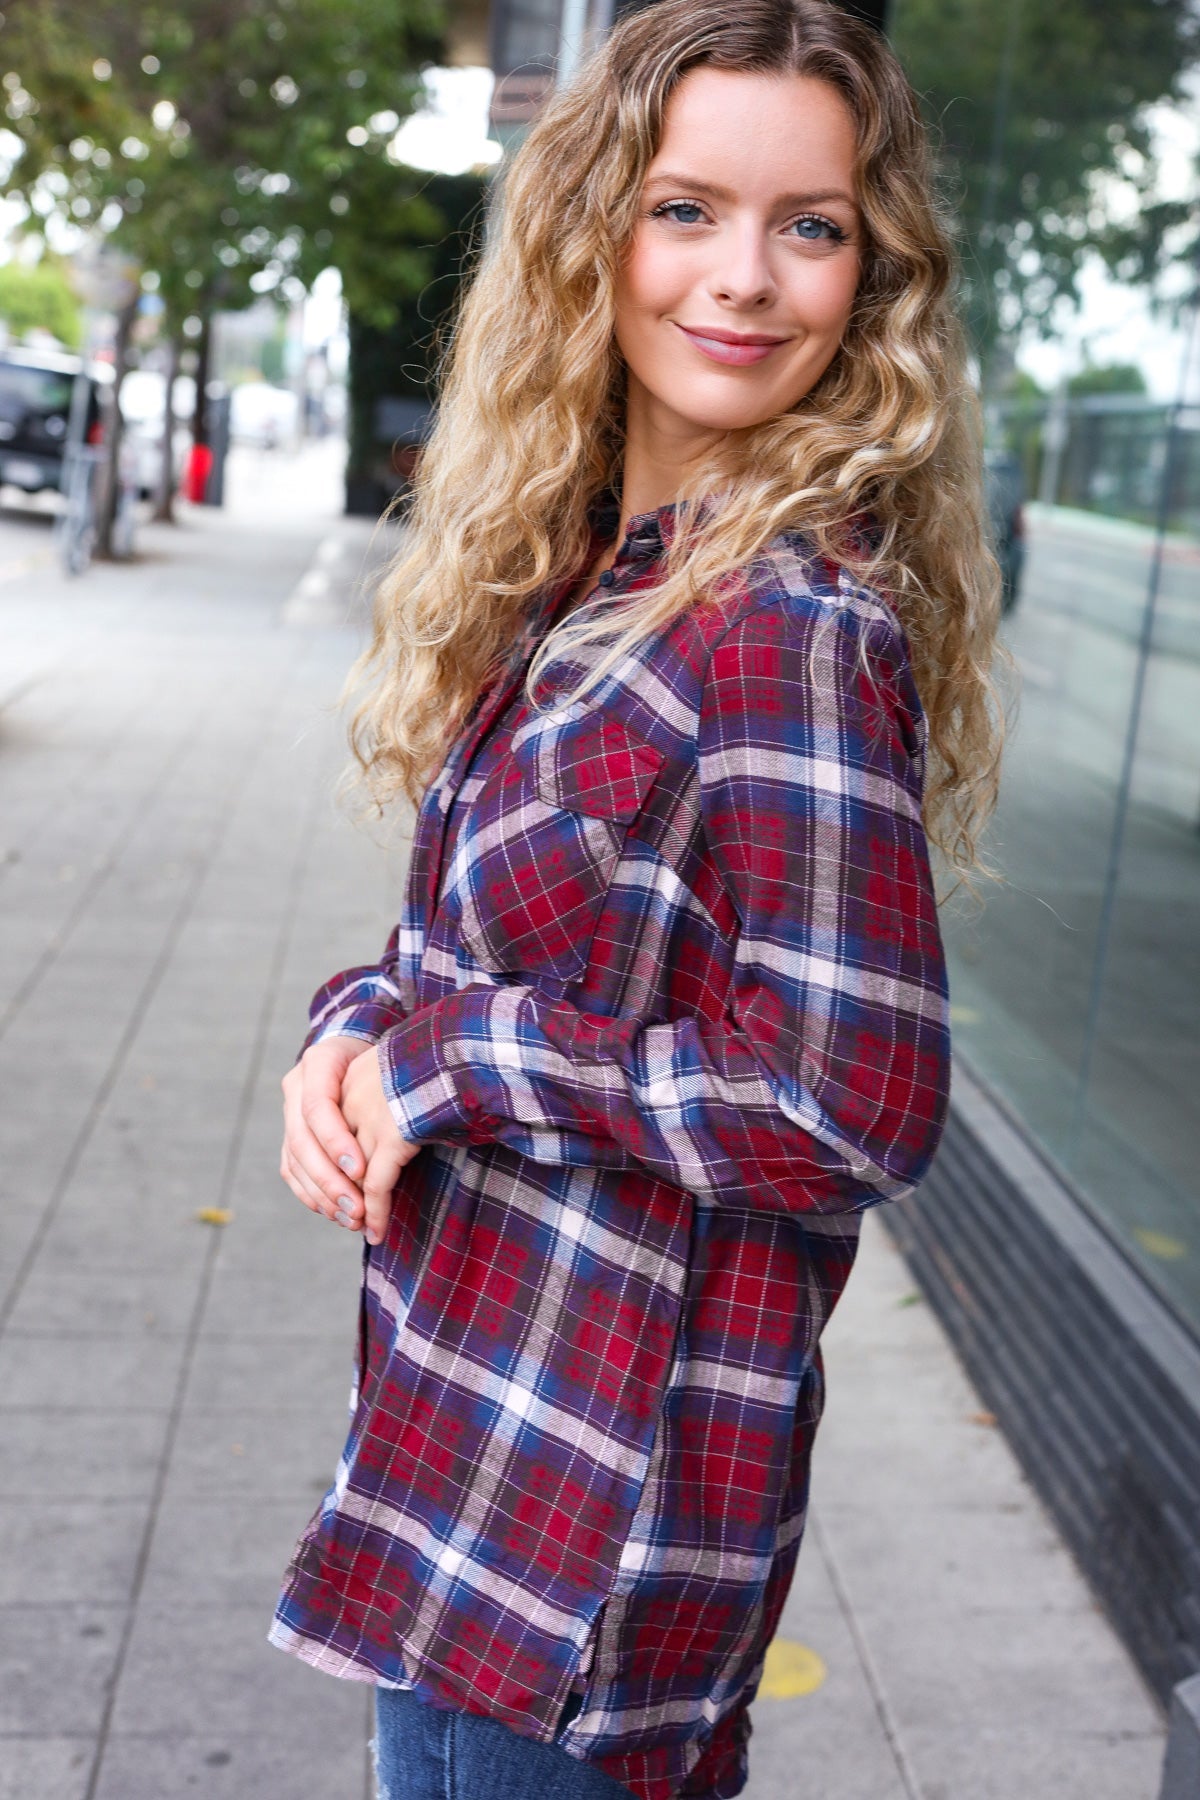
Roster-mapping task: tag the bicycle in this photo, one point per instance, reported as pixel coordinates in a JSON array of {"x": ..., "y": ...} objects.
[{"x": 77, "y": 522}]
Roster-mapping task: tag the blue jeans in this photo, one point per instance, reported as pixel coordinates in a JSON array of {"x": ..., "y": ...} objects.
[{"x": 423, "y": 1752}]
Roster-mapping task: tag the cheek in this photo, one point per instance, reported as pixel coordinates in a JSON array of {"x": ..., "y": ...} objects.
[
  {"x": 653, "y": 279},
  {"x": 824, "y": 298}
]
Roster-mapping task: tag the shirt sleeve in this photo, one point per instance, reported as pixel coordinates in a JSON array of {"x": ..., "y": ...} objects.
[
  {"x": 824, "y": 1088},
  {"x": 359, "y": 1003}
]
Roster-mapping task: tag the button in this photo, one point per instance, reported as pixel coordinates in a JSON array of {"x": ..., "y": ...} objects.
[{"x": 606, "y": 578}]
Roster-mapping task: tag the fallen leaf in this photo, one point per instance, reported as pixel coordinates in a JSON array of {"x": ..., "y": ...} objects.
[
  {"x": 1160, "y": 1244},
  {"x": 792, "y": 1670},
  {"x": 982, "y": 1418},
  {"x": 213, "y": 1215}
]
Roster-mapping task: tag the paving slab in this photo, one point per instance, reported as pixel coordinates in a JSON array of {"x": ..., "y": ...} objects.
[
  {"x": 309, "y": 1763},
  {"x": 208, "y": 1671},
  {"x": 48, "y": 1767},
  {"x": 57, "y": 1665},
  {"x": 117, "y": 1374},
  {"x": 69, "y": 1552},
  {"x": 80, "y": 1453}
]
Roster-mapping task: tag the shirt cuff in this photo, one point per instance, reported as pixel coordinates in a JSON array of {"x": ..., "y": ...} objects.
[
  {"x": 422, "y": 1094},
  {"x": 368, "y": 1021}
]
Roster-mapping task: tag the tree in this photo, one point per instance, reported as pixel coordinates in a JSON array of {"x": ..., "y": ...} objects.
[
  {"x": 228, "y": 147},
  {"x": 39, "y": 294},
  {"x": 1107, "y": 378},
  {"x": 1041, "y": 116}
]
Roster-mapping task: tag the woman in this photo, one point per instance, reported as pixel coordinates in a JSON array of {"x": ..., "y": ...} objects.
[{"x": 694, "y": 617}]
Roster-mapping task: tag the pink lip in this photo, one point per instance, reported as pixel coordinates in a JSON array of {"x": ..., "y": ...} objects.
[{"x": 732, "y": 347}]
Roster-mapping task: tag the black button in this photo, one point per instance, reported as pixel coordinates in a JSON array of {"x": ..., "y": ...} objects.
[{"x": 606, "y": 578}]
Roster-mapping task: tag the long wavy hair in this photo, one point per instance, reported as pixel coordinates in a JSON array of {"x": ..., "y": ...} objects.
[{"x": 530, "y": 422}]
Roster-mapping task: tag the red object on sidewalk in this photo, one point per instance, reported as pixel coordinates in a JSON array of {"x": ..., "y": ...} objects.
[{"x": 199, "y": 468}]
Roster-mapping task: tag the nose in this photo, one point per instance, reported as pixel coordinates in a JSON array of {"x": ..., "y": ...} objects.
[{"x": 741, "y": 277}]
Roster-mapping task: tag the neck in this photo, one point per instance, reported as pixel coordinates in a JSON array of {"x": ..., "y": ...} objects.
[{"x": 662, "y": 453}]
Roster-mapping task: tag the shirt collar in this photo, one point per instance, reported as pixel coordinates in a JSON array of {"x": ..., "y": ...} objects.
[{"x": 647, "y": 536}]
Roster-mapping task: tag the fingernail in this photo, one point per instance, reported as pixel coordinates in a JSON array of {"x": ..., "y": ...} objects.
[
  {"x": 373, "y": 1240},
  {"x": 346, "y": 1165},
  {"x": 344, "y": 1203},
  {"x": 343, "y": 1218}
]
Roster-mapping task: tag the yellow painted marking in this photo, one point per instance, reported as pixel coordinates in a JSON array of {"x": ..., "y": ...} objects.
[
  {"x": 792, "y": 1670},
  {"x": 1157, "y": 1243}
]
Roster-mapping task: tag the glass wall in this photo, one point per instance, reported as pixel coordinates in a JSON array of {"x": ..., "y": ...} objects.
[{"x": 1069, "y": 139}]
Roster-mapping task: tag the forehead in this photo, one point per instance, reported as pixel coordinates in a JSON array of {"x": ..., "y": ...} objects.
[{"x": 750, "y": 132}]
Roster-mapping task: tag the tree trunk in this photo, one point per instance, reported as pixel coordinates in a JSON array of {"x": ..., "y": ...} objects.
[
  {"x": 164, "y": 506},
  {"x": 203, "y": 362},
  {"x": 110, "y": 483}
]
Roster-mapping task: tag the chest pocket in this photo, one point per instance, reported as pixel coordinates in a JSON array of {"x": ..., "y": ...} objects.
[{"x": 543, "y": 840}]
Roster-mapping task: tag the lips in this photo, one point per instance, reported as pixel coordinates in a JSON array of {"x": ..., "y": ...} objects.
[{"x": 734, "y": 348}]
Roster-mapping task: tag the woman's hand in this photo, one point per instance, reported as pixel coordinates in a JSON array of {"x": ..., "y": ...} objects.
[
  {"x": 365, "y": 1110},
  {"x": 321, "y": 1161}
]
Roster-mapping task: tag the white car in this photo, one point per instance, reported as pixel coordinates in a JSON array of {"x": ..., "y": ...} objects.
[
  {"x": 143, "y": 400},
  {"x": 262, "y": 414}
]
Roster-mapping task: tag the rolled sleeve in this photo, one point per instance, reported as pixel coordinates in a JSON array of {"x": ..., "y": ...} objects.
[{"x": 825, "y": 1087}]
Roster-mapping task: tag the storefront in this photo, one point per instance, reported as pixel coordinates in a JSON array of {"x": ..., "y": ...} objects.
[{"x": 1059, "y": 1235}]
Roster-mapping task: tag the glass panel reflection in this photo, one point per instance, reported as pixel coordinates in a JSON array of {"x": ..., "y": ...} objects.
[{"x": 1070, "y": 137}]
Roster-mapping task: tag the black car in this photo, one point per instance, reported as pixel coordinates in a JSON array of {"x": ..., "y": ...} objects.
[{"x": 35, "y": 410}]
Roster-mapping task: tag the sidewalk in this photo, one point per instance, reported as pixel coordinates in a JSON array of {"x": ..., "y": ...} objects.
[{"x": 174, "y": 881}]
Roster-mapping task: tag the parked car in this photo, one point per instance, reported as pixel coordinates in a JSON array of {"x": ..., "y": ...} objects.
[
  {"x": 35, "y": 410},
  {"x": 1004, "y": 487}
]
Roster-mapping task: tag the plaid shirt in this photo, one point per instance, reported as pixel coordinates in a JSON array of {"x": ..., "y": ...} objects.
[{"x": 667, "y": 1008}]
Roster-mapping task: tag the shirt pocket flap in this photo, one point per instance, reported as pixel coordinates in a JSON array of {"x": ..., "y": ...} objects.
[{"x": 594, "y": 765}]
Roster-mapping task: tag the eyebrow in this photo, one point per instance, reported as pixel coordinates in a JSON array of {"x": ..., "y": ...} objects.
[{"x": 820, "y": 197}]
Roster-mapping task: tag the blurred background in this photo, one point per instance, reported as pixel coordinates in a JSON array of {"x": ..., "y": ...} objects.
[{"x": 231, "y": 237}]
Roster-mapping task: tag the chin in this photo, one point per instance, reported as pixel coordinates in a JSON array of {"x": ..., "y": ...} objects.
[
  {"x": 740, "y": 415},
  {"x": 720, "y": 406}
]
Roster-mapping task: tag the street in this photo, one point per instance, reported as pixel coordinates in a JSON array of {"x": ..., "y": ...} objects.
[{"x": 175, "y": 1330}]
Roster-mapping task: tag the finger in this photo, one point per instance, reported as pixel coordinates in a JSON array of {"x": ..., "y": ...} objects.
[
  {"x": 297, "y": 1186},
  {"x": 336, "y": 1194},
  {"x": 347, "y": 1212},
  {"x": 325, "y": 1122},
  {"x": 308, "y": 1157},
  {"x": 383, "y": 1172}
]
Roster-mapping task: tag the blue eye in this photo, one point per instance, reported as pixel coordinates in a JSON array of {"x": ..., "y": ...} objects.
[
  {"x": 812, "y": 229},
  {"x": 682, "y": 212}
]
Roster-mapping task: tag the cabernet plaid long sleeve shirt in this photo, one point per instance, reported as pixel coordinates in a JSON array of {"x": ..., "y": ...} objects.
[{"x": 667, "y": 1009}]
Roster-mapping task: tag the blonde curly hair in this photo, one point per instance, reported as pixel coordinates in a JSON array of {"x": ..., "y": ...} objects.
[{"x": 529, "y": 427}]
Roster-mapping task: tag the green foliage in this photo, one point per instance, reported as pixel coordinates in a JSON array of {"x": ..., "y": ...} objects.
[
  {"x": 39, "y": 295},
  {"x": 232, "y": 148},
  {"x": 1108, "y": 378},
  {"x": 1023, "y": 389},
  {"x": 1040, "y": 111},
  {"x": 271, "y": 358}
]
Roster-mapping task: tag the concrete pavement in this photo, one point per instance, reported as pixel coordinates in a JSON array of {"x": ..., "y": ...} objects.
[{"x": 175, "y": 879}]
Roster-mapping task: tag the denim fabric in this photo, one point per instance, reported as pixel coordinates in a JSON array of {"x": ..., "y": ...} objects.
[{"x": 425, "y": 1752}]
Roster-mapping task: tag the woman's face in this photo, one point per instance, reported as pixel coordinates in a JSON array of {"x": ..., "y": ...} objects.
[{"x": 741, "y": 276}]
